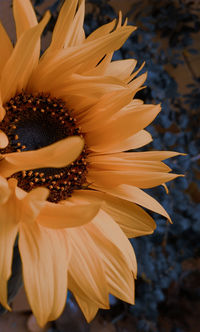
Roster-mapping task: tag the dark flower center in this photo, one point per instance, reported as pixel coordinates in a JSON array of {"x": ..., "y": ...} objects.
[{"x": 35, "y": 121}]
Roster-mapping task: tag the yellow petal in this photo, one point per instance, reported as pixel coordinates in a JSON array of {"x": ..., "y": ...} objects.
[
  {"x": 112, "y": 162},
  {"x": 59, "y": 154},
  {"x": 121, "y": 68},
  {"x": 3, "y": 140},
  {"x": 24, "y": 16},
  {"x": 88, "y": 307},
  {"x": 144, "y": 179},
  {"x": 63, "y": 24},
  {"x": 149, "y": 155},
  {"x": 77, "y": 102},
  {"x": 111, "y": 231},
  {"x": 122, "y": 127},
  {"x": 101, "y": 67},
  {"x": 84, "y": 57},
  {"x": 88, "y": 86},
  {"x": 117, "y": 255},
  {"x": 22, "y": 62},
  {"x": 101, "y": 113},
  {"x": 137, "y": 82},
  {"x": 44, "y": 260},
  {"x": 9, "y": 210},
  {"x": 120, "y": 103},
  {"x": 83, "y": 196},
  {"x": 67, "y": 215},
  {"x": 102, "y": 31},
  {"x": 133, "y": 75},
  {"x": 133, "y": 220},
  {"x": 6, "y": 47},
  {"x": 86, "y": 268},
  {"x": 76, "y": 33},
  {"x": 132, "y": 142},
  {"x": 138, "y": 196}
]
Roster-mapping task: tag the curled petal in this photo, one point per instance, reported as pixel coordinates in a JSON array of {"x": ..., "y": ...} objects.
[
  {"x": 59, "y": 154},
  {"x": 66, "y": 215}
]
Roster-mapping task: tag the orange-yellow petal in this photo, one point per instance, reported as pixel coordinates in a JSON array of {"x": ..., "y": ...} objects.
[
  {"x": 133, "y": 220},
  {"x": 77, "y": 59},
  {"x": 101, "y": 67},
  {"x": 121, "y": 128},
  {"x": 121, "y": 163},
  {"x": 22, "y": 62},
  {"x": 6, "y": 47},
  {"x": 24, "y": 16},
  {"x": 132, "y": 142},
  {"x": 76, "y": 33},
  {"x": 97, "y": 116},
  {"x": 56, "y": 155},
  {"x": 121, "y": 68},
  {"x": 102, "y": 31},
  {"x": 88, "y": 86},
  {"x": 110, "y": 179},
  {"x": 138, "y": 196},
  {"x": 88, "y": 307},
  {"x": 117, "y": 255},
  {"x": 148, "y": 155},
  {"x": 44, "y": 260},
  {"x": 63, "y": 24},
  {"x": 9, "y": 210},
  {"x": 86, "y": 269},
  {"x": 67, "y": 215}
]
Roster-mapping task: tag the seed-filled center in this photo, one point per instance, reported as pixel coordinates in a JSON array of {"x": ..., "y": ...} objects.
[{"x": 35, "y": 121}]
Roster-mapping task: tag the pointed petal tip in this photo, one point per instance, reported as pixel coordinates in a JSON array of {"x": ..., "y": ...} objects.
[{"x": 47, "y": 16}]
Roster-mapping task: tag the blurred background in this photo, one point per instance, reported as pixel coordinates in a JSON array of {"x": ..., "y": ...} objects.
[{"x": 168, "y": 287}]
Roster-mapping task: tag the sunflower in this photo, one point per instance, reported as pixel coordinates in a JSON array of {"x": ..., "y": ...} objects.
[{"x": 69, "y": 194}]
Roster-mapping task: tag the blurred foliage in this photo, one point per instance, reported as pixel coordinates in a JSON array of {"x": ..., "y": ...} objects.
[{"x": 168, "y": 260}]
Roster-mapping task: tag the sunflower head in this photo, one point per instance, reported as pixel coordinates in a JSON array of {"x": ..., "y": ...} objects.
[{"x": 70, "y": 192}]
